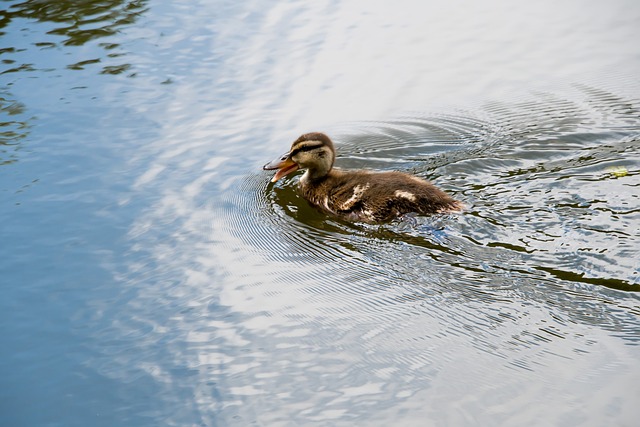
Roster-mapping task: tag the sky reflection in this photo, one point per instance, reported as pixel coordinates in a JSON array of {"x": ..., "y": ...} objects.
[{"x": 167, "y": 282}]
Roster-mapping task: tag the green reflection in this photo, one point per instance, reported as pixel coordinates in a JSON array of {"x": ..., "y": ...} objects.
[
  {"x": 55, "y": 28},
  {"x": 77, "y": 23},
  {"x": 80, "y": 17},
  {"x": 571, "y": 276},
  {"x": 14, "y": 127}
]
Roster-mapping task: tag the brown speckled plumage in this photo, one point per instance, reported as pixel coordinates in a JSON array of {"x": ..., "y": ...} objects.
[{"x": 358, "y": 195}]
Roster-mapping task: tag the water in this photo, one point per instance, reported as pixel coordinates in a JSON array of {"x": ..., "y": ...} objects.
[{"x": 152, "y": 275}]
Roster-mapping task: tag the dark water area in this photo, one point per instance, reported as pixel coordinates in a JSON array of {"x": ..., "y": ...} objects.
[{"x": 152, "y": 274}]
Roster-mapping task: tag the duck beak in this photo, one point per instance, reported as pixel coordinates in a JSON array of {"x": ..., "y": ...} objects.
[{"x": 284, "y": 164}]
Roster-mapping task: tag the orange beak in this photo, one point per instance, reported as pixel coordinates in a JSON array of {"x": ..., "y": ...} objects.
[{"x": 284, "y": 164}]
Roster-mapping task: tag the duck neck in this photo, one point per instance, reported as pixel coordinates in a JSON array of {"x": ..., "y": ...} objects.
[{"x": 315, "y": 174}]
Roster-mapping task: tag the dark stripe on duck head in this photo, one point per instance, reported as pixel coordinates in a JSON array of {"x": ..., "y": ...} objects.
[{"x": 307, "y": 147}]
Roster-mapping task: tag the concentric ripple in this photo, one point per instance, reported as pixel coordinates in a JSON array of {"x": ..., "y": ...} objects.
[
  {"x": 543, "y": 253},
  {"x": 546, "y": 222}
]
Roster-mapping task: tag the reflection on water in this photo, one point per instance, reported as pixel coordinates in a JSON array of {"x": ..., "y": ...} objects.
[
  {"x": 31, "y": 48},
  {"x": 14, "y": 127},
  {"x": 155, "y": 276},
  {"x": 74, "y": 24},
  {"x": 521, "y": 275}
]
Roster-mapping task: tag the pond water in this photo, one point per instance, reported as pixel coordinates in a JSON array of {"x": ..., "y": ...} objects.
[{"x": 152, "y": 275}]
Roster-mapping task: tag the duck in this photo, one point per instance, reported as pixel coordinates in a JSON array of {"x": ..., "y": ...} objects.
[{"x": 357, "y": 195}]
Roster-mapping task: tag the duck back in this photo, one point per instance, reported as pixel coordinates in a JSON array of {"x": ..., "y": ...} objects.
[{"x": 375, "y": 196}]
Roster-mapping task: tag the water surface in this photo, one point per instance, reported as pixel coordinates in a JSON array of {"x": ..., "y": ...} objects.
[{"x": 153, "y": 276}]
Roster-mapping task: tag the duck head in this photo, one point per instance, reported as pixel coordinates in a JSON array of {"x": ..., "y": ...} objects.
[{"x": 312, "y": 151}]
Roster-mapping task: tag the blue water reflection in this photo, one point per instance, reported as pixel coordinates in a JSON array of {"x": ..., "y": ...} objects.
[{"x": 152, "y": 275}]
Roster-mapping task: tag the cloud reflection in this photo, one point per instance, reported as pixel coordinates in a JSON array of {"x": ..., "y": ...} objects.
[{"x": 282, "y": 322}]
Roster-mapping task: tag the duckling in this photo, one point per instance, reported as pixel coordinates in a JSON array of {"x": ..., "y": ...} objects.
[{"x": 357, "y": 195}]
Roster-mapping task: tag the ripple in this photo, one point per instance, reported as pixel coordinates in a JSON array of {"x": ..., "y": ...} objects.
[
  {"x": 158, "y": 274},
  {"x": 275, "y": 292},
  {"x": 527, "y": 238}
]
